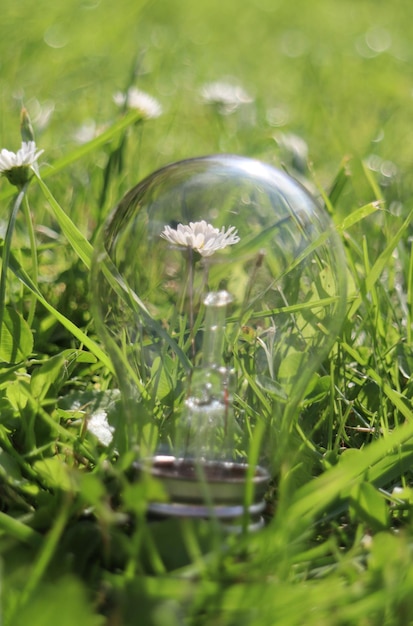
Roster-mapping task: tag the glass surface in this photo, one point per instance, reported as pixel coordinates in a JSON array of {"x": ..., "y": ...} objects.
[{"x": 273, "y": 250}]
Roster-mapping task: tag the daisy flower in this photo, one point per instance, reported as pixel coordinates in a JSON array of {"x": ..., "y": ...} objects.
[
  {"x": 16, "y": 166},
  {"x": 201, "y": 237},
  {"x": 134, "y": 98},
  {"x": 225, "y": 97}
]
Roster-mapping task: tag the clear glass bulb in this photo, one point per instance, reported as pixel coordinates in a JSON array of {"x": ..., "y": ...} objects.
[{"x": 218, "y": 287}]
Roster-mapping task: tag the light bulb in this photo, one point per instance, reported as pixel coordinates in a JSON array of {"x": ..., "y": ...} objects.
[{"x": 218, "y": 288}]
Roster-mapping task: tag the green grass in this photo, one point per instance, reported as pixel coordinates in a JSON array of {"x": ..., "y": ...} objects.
[{"x": 75, "y": 544}]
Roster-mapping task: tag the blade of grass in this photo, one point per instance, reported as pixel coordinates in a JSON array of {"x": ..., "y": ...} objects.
[
  {"x": 77, "y": 240},
  {"x": 16, "y": 529},
  {"x": 311, "y": 500},
  {"x": 70, "y": 326},
  {"x": 130, "y": 118},
  {"x": 395, "y": 397},
  {"x": 380, "y": 264},
  {"x": 358, "y": 215},
  {"x": 6, "y": 252},
  {"x": 46, "y": 553}
]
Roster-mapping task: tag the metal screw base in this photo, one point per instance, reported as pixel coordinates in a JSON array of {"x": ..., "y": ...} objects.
[{"x": 206, "y": 490}]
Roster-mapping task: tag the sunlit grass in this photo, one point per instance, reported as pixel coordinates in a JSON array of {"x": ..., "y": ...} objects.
[{"x": 331, "y": 90}]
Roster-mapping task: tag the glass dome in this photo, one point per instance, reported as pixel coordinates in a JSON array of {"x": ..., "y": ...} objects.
[{"x": 210, "y": 225}]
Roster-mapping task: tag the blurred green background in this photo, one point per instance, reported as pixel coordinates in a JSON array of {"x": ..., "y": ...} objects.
[{"x": 338, "y": 73}]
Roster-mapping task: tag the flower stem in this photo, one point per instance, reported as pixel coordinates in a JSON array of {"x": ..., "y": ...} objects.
[
  {"x": 33, "y": 253},
  {"x": 191, "y": 298},
  {"x": 6, "y": 251}
]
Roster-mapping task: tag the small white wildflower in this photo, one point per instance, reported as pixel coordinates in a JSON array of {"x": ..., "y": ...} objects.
[
  {"x": 99, "y": 426},
  {"x": 16, "y": 166},
  {"x": 201, "y": 237},
  {"x": 134, "y": 98},
  {"x": 86, "y": 132},
  {"x": 225, "y": 97}
]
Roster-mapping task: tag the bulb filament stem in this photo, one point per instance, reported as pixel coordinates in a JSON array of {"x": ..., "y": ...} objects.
[{"x": 216, "y": 305}]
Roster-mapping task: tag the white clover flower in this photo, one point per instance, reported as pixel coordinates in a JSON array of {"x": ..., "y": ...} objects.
[
  {"x": 201, "y": 237},
  {"x": 16, "y": 166},
  {"x": 225, "y": 97},
  {"x": 134, "y": 98}
]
